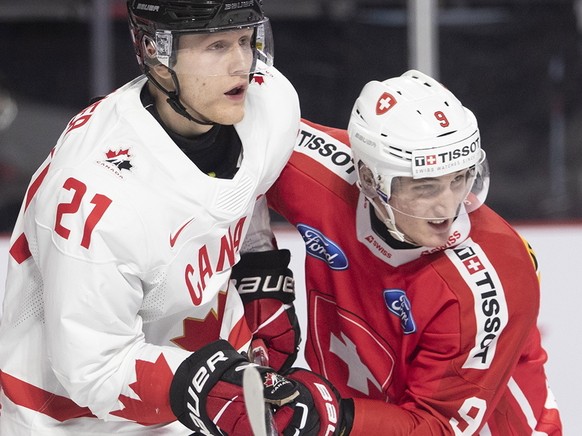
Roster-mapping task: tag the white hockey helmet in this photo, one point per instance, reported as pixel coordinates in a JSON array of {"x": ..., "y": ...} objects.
[{"x": 412, "y": 126}]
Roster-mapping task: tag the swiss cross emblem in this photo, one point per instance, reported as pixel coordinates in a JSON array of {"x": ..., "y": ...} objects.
[
  {"x": 346, "y": 346},
  {"x": 473, "y": 265},
  {"x": 385, "y": 103}
]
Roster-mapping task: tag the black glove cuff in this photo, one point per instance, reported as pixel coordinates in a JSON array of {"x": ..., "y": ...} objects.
[
  {"x": 260, "y": 260},
  {"x": 194, "y": 379},
  {"x": 264, "y": 274},
  {"x": 347, "y": 407}
]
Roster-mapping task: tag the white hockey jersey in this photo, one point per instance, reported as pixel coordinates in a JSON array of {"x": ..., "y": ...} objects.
[{"x": 119, "y": 265}]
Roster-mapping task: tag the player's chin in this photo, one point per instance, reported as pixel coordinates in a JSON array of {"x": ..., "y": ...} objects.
[
  {"x": 432, "y": 237},
  {"x": 230, "y": 114}
]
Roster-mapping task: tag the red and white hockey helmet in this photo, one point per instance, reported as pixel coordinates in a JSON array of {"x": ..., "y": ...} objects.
[{"x": 413, "y": 127}]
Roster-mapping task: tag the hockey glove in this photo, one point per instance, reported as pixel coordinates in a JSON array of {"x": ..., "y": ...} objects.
[
  {"x": 206, "y": 391},
  {"x": 266, "y": 286},
  {"x": 318, "y": 410}
]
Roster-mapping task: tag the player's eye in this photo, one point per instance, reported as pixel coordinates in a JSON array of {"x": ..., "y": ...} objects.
[
  {"x": 218, "y": 45},
  {"x": 245, "y": 41},
  {"x": 426, "y": 189},
  {"x": 459, "y": 179}
]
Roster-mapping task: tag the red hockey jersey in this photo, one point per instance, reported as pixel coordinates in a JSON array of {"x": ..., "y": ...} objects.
[{"x": 427, "y": 341}]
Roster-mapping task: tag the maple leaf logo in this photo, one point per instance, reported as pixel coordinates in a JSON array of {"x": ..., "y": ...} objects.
[
  {"x": 279, "y": 388},
  {"x": 272, "y": 379},
  {"x": 258, "y": 78},
  {"x": 199, "y": 332},
  {"x": 152, "y": 385},
  {"x": 113, "y": 154},
  {"x": 121, "y": 159}
]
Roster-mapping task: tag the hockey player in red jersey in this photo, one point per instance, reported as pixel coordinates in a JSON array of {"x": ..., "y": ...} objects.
[
  {"x": 119, "y": 315},
  {"x": 422, "y": 301}
]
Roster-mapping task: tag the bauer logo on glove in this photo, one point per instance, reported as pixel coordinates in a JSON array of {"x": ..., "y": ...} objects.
[{"x": 207, "y": 390}]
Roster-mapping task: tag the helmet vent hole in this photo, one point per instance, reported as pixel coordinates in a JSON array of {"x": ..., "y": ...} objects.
[
  {"x": 398, "y": 152},
  {"x": 445, "y": 134}
]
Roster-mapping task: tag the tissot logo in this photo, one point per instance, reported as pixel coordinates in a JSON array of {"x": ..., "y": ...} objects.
[
  {"x": 435, "y": 162},
  {"x": 425, "y": 160},
  {"x": 327, "y": 150},
  {"x": 448, "y": 155},
  {"x": 491, "y": 310},
  {"x": 320, "y": 247}
]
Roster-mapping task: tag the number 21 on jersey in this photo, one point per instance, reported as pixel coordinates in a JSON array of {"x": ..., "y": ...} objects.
[{"x": 100, "y": 204}]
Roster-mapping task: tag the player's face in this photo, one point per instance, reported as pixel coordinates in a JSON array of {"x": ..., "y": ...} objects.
[
  {"x": 424, "y": 209},
  {"x": 213, "y": 71}
]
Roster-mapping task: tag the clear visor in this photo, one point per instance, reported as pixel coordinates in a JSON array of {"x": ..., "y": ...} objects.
[
  {"x": 240, "y": 51},
  {"x": 439, "y": 198}
]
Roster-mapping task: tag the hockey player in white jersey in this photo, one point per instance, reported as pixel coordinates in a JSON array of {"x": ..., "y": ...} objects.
[{"x": 118, "y": 289}]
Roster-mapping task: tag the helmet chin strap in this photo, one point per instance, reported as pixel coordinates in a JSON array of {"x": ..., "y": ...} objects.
[
  {"x": 385, "y": 214},
  {"x": 383, "y": 211},
  {"x": 174, "y": 101},
  {"x": 174, "y": 98}
]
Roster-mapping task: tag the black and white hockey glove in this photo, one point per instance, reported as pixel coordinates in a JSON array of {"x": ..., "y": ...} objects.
[
  {"x": 267, "y": 289},
  {"x": 206, "y": 392}
]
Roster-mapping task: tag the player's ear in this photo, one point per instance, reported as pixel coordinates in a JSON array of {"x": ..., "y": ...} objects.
[
  {"x": 159, "y": 71},
  {"x": 162, "y": 74}
]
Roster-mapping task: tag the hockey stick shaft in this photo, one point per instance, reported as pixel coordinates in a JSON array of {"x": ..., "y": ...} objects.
[
  {"x": 254, "y": 401},
  {"x": 262, "y": 359}
]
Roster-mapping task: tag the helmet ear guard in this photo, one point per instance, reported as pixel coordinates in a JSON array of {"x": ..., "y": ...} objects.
[
  {"x": 150, "y": 52},
  {"x": 366, "y": 181}
]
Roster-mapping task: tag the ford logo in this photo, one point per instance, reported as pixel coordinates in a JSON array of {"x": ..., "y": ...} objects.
[
  {"x": 398, "y": 303},
  {"x": 320, "y": 247}
]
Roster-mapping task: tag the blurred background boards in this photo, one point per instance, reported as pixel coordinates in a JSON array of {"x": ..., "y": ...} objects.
[{"x": 515, "y": 63}]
